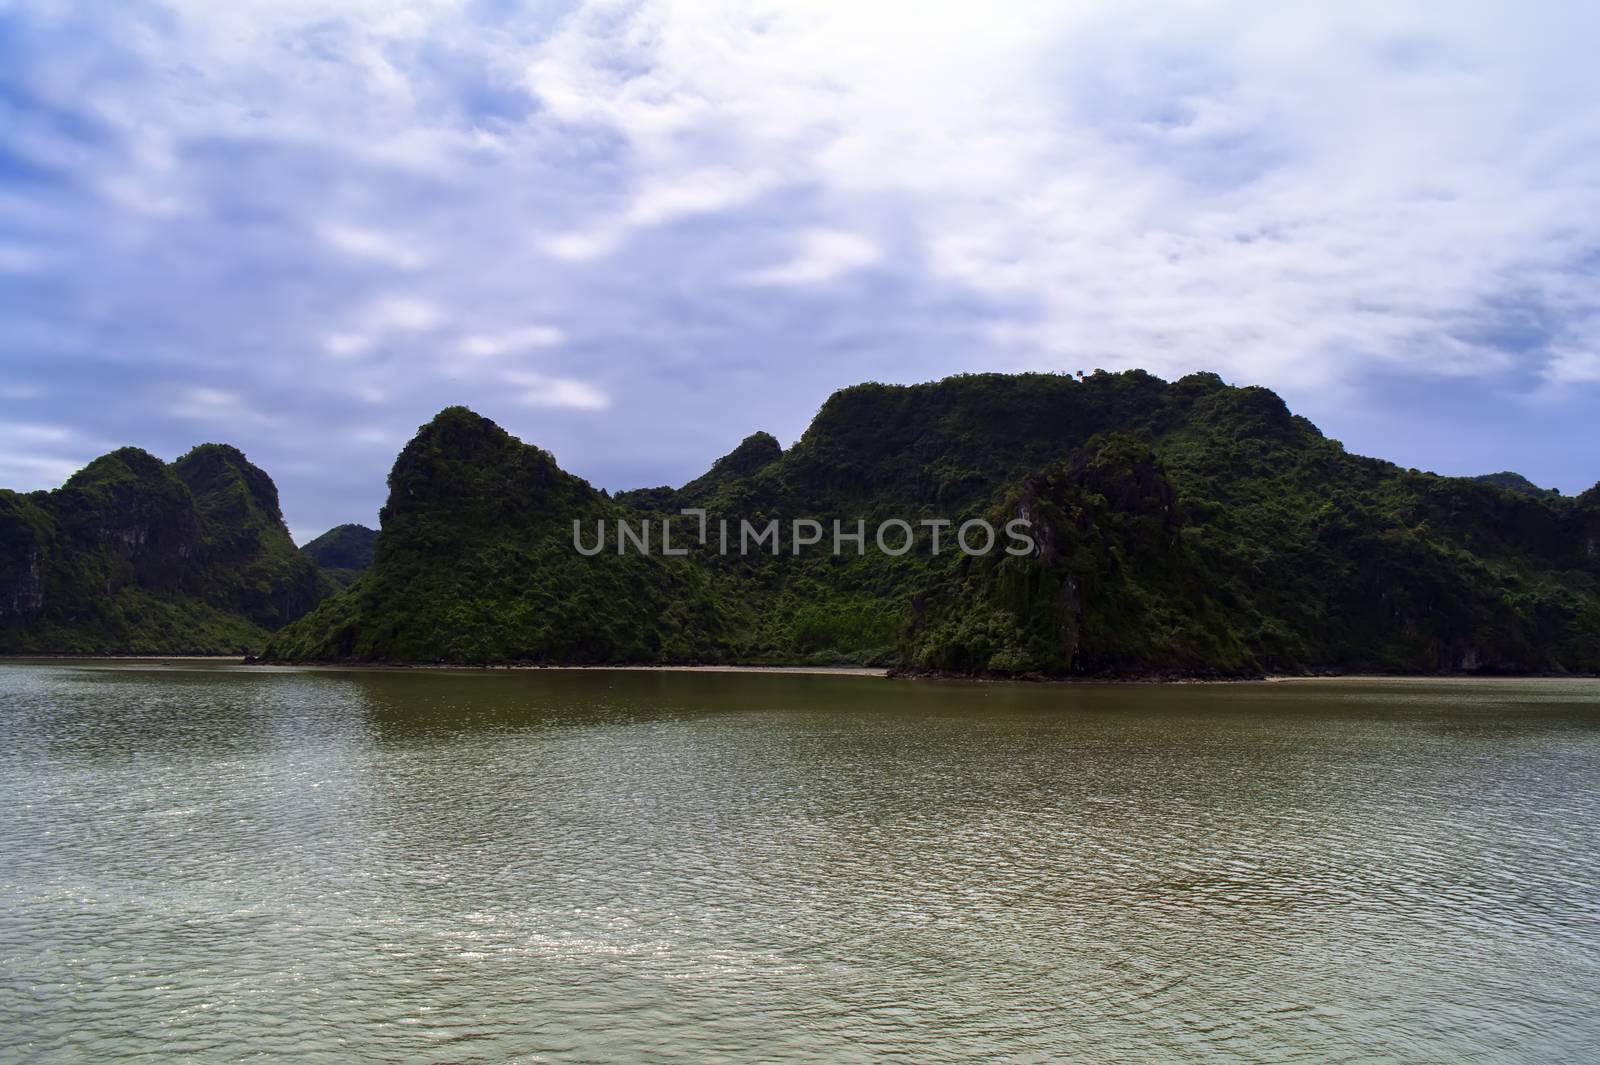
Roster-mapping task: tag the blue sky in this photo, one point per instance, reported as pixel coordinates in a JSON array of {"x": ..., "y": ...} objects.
[{"x": 634, "y": 233}]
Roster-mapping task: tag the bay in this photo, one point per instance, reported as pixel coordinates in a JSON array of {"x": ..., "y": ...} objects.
[{"x": 328, "y": 865}]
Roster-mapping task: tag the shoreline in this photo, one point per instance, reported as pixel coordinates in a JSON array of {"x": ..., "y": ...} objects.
[
  {"x": 509, "y": 667},
  {"x": 68, "y": 656},
  {"x": 875, "y": 672}
]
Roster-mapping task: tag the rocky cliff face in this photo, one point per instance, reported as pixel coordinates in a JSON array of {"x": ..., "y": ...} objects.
[
  {"x": 131, "y": 513},
  {"x": 25, "y": 532},
  {"x": 134, "y": 555}
]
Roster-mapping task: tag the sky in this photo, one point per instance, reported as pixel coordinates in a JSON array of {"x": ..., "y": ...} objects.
[{"x": 634, "y": 233}]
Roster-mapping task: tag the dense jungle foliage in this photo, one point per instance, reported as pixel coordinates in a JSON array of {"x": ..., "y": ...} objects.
[
  {"x": 344, "y": 552},
  {"x": 1188, "y": 527},
  {"x": 132, "y": 555}
]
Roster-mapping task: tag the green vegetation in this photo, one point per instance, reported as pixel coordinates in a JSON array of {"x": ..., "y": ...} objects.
[
  {"x": 1515, "y": 482},
  {"x": 1187, "y": 527},
  {"x": 344, "y": 552},
  {"x": 475, "y": 564},
  {"x": 133, "y": 555}
]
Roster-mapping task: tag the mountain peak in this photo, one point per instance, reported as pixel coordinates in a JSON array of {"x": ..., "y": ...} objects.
[
  {"x": 124, "y": 463},
  {"x": 753, "y": 452},
  {"x": 1195, "y": 526},
  {"x": 458, "y": 418},
  {"x": 344, "y": 551},
  {"x": 134, "y": 554},
  {"x": 216, "y": 452},
  {"x": 1515, "y": 482},
  {"x": 452, "y": 458},
  {"x": 227, "y": 484}
]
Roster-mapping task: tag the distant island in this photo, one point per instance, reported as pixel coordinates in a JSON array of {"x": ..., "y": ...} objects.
[
  {"x": 344, "y": 552},
  {"x": 1186, "y": 528}
]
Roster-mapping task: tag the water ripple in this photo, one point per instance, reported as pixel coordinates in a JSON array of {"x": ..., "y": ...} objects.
[{"x": 327, "y": 866}]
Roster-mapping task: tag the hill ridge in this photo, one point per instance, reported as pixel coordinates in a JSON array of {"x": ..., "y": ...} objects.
[{"x": 1188, "y": 526}]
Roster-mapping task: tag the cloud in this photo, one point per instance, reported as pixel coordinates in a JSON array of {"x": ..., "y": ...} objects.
[
  {"x": 381, "y": 320},
  {"x": 37, "y": 455},
  {"x": 401, "y": 313},
  {"x": 659, "y": 201},
  {"x": 347, "y": 345},
  {"x": 1575, "y": 367},
  {"x": 374, "y": 244},
  {"x": 140, "y": 197},
  {"x": 823, "y": 256},
  {"x": 42, "y": 434},
  {"x": 1287, "y": 195},
  {"x": 490, "y": 345},
  {"x": 373, "y": 436},
  {"x": 587, "y": 246},
  {"x": 30, "y": 470},
  {"x": 217, "y": 406},
  {"x": 541, "y": 390}
]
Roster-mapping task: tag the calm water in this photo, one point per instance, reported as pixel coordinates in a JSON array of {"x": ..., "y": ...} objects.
[{"x": 707, "y": 867}]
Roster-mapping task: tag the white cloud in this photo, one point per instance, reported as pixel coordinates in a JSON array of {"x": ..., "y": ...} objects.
[
  {"x": 29, "y": 471},
  {"x": 217, "y": 406},
  {"x": 582, "y": 247},
  {"x": 542, "y": 390},
  {"x": 141, "y": 196},
  {"x": 1287, "y": 194},
  {"x": 491, "y": 345},
  {"x": 347, "y": 345},
  {"x": 374, "y": 244},
  {"x": 372, "y": 436},
  {"x": 41, "y": 434},
  {"x": 1290, "y": 194},
  {"x": 401, "y": 314},
  {"x": 36, "y": 455},
  {"x": 823, "y": 255},
  {"x": 696, "y": 192},
  {"x": 380, "y": 320},
  {"x": 661, "y": 199},
  {"x": 1575, "y": 367}
]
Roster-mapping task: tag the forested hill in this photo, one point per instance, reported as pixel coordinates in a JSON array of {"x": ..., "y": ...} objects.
[
  {"x": 1186, "y": 527},
  {"x": 133, "y": 555},
  {"x": 344, "y": 552}
]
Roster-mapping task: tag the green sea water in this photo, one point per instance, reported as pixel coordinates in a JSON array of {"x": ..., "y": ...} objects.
[{"x": 322, "y": 865}]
